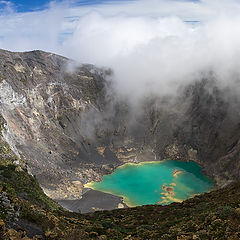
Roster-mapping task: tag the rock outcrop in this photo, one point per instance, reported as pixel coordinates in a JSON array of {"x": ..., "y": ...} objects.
[
  {"x": 69, "y": 127},
  {"x": 42, "y": 104}
]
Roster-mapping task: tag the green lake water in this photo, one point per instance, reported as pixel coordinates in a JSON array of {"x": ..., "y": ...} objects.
[{"x": 155, "y": 182}]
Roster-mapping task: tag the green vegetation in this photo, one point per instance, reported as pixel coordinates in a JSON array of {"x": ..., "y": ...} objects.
[
  {"x": 27, "y": 213},
  {"x": 214, "y": 215},
  {"x": 1, "y": 77},
  {"x": 24, "y": 81}
]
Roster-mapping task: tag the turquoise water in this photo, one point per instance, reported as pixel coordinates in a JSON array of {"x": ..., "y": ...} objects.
[{"x": 155, "y": 182}]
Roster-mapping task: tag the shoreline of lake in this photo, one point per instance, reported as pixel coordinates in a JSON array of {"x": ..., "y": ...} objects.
[{"x": 165, "y": 196}]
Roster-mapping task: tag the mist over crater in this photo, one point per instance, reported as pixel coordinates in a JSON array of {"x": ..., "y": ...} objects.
[
  {"x": 124, "y": 105},
  {"x": 147, "y": 80},
  {"x": 72, "y": 127}
]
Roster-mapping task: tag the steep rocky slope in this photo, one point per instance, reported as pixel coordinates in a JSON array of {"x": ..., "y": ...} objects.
[
  {"x": 66, "y": 126},
  {"x": 27, "y": 213},
  {"x": 42, "y": 105},
  {"x": 69, "y": 126}
]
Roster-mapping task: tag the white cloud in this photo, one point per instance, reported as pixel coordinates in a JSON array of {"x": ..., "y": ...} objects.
[
  {"x": 146, "y": 42},
  {"x": 6, "y": 7}
]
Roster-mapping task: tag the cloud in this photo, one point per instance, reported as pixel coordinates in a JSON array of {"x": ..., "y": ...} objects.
[
  {"x": 6, "y": 7},
  {"x": 150, "y": 44}
]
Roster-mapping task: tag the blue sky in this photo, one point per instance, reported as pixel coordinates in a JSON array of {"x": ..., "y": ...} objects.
[
  {"x": 28, "y": 5},
  {"x": 33, "y": 5}
]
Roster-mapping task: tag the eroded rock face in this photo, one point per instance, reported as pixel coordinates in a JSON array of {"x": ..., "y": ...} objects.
[
  {"x": 41, "y": 103},
  {"x": 61, "y": 122},
  {"x": 71, "y": 129}
]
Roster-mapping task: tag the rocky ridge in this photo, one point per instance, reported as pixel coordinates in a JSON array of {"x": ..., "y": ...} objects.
[{"x": 67, "y": 124}]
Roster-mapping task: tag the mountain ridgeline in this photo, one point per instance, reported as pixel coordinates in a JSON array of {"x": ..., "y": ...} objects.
[
  {"x": 69, "y": 127},
  {"x": 65, "y": 125}
]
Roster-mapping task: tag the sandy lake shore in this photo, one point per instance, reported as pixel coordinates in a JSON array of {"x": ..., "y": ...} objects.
[{"x": 93, "y": 200}]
